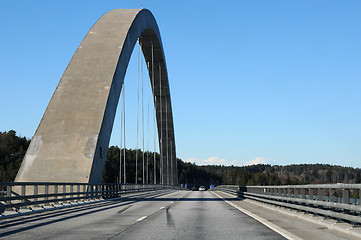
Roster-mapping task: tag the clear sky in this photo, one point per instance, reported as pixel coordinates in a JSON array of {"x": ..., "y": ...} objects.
[{"x": 274, "y": 82}]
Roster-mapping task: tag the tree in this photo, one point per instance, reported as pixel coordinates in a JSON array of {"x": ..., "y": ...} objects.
[{"x": 12, "y": 152}]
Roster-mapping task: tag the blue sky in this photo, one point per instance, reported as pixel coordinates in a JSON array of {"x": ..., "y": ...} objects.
[{"x": 251, "y": 81}]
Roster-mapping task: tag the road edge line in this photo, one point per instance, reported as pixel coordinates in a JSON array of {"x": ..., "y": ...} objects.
[
  {"x": 330, "y": 226},
  {"x": 268, "y": 224}
]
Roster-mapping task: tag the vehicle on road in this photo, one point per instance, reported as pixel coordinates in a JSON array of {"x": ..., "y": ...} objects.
[
  {"x": 202, "y": 188},
  {"x": 194, "y": 189}
]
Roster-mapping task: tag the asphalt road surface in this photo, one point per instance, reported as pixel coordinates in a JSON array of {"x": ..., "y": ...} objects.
[{"x": 171, "y": 215}]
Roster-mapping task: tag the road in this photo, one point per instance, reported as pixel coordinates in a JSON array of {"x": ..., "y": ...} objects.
[{"x": 172, "y": 215}]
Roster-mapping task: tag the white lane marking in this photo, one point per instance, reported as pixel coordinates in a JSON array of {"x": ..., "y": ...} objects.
[
  {"x": 142, "y": 218},
  {"x": 331, "y": 226},
  {"x": 270, "y": 225},
  {"x": 161, "y": 207}
]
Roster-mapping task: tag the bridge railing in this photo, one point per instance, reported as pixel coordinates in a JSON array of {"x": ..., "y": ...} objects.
[
  {"x": 17, "y": 195},
  {"x": 339, "y": 201}
]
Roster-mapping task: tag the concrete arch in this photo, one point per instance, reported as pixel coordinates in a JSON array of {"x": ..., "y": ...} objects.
[{"x": 72, "y": 139}]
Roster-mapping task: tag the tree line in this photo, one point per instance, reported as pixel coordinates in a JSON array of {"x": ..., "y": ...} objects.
[
  {"x": 13, "y": 149},
  {"x": 12, "y": 152}
]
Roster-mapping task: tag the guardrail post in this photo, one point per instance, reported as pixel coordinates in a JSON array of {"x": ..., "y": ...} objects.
[
  {"x": 71, "y": 192},
  {"x": 310, "y": 194},
  {"x": 320, "y": 194},
  {"x": 89, "y": 191},
  {"x": 331, "y": 193},
  {"x": 346, "y": 196},
  {"x": 64, "y": 192},
  {"x": 102, "y": 190},
  {"x": 78, "y": 190},
  {"x": 8, "y": 194},
  {"x": 303, "y": 193},
  {"x": 36, "y": 192},
  {"x": 23, "y": 193},
  {"x": 55, "y": 193},
  {"x": 85, "y": 191},
  {"x": 46, "y": 193},
  {"x": 95, "y": 191}
]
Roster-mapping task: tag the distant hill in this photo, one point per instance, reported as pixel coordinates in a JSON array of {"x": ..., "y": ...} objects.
[
  {"x": 263, "y": 174},
  {"x": 13, "y": 149}
]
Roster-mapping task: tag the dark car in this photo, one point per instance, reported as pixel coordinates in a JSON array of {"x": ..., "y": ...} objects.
[{"x": 194, "y": 189}]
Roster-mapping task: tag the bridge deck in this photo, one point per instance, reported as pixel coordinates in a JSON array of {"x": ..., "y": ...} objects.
[{"x": 171, "y": 215}]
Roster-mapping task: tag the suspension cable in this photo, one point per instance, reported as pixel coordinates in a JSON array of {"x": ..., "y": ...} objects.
[
  {"x": 154, "y": 116},
  {"x": 167, "y": 140},
  {"x": 171, "y": 161},
  {"x": 167, "y": 136},
  {"x": 136, "y": 154},
  {"x": 148, "y": 131},
  {"x": 125, "y": 175},
  {"x": 176, "y": 164},
  {"x": 121, "y": 135},
  {"x": 141, "y": 62},
  {"x": 161, "y": 126}
]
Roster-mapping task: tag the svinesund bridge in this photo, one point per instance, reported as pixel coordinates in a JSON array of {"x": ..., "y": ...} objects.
[{"x": 58, "y": 194}]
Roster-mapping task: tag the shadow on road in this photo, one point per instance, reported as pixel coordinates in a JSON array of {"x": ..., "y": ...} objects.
[{"x": 52, "y": 216}]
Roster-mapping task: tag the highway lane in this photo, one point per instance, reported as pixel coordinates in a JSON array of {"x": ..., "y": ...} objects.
[
  {"x": 199, "y": 215},
  {"x": 175, "y": 215}
]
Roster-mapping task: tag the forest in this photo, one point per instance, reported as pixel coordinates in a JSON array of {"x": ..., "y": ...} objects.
[{"x": 13, "y": 149}]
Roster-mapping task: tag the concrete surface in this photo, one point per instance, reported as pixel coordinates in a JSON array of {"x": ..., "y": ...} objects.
[
  {"x": 71, "y": 141},
  {"x": 177, "y": 215},
  {"x": 167, "y": 215},
  {"x": 296, "y": 223}
]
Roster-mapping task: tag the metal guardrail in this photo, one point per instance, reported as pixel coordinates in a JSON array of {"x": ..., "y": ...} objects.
[
  {"x": 339, "y": 201},
  {"x": 16, "y": 195}
]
